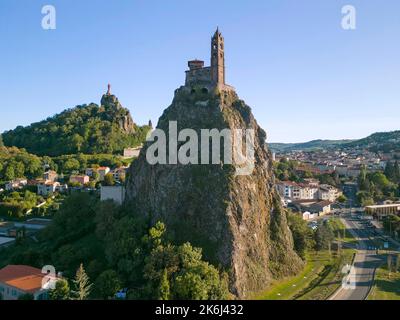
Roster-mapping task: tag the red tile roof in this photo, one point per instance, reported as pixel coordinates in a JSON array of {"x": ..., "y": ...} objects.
[{"x": 25, "y": 278}]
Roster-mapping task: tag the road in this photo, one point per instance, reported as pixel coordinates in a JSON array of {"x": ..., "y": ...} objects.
[{"x": 365, "y": 262}]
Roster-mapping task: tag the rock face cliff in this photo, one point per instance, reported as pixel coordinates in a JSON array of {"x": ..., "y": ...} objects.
[
  {"x": 116, "y": 112},
  {"x": 237, "y": 220}
]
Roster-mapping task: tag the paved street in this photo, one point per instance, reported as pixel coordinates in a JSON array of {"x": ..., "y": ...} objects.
[{"x": 365, "y": 262}]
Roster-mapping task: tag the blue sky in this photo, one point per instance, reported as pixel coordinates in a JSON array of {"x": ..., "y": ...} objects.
[{"x": 303, "y": 75}]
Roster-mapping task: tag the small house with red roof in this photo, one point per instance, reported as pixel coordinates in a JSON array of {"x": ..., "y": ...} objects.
[{"x": 18, "y": 280}]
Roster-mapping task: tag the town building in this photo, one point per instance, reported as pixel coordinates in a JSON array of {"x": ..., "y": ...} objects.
[
  {"x": 310, "y": 190},
  {"x": 286, "y": 189},
  {"x": 17, "y": 280},
  {"x": 50, "y": 176},
  {"x": 381, "y": 211},
  {"x": 328, "y": 193},
  {"x": 90, "y": 172},
  {"x": 16, "y": 184},
  {"x": 119, "y": 173},
  {"x": 115, "y": 193},
  {"x": 80, "y": 179},
  {"x": 103, "y": 171},
  {"x": 132, "y": 152},
  {"x": 48, "y": 188},
  {"x": 203, "y": 79},
  {"x": 311, "y": 209}
]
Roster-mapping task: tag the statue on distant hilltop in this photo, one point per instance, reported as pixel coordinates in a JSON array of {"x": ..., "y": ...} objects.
[{"x": 109, "y": 89}]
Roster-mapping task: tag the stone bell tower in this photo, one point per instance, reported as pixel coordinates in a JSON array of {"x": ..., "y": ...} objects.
[{"x": 217, "y": 59}]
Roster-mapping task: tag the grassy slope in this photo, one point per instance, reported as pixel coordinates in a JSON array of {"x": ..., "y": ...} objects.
[
  {"x": 329, "y": 279},
  {"x": 386, "y": 287},
  {"x": 320, "y": 277}
]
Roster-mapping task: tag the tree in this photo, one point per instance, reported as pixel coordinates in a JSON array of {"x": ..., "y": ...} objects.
[
  {"x": 77, "y": 142},
  {"x": 85, "y": 128},
  {"x": 197, "y": 279},
  {"x": 95, "y": 175},
  {"x": 107, "y": 284},
  {"x": 342, "y": 198},
  {"x": 71, "y": 165},
  {"x": 164, "y": 289},
  {"x": 109, "y": 179},
  {"x": 323, "y": 236},
  {"x": 122, "y": 243},
  {"x": 390, "y": 171},
  {"x": 9, "y": 173},
  {"x": 190, "y": 278},
  {"x": 302, "y": 234},
  {"x": 82, "y": 285},
  {"x": 391, "y": 223},
  {"x": 61, "y": 291},
  {"x": 365, "y": 198},
  {"x": 19, "y": 169},
  {"x": 396, "y": 177}
]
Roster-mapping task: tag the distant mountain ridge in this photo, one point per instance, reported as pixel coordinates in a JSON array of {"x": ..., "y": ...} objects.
[
  {"x": 379, "y": 141},
  {"x": 89, "y": 129},
  {"x": 307, "y": 146}
]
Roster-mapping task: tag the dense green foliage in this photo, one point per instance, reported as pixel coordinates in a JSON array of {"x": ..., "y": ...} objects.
[
  {"x": 392, "y": 224},
  {"x": 16, "y": 204},
  {"x": 380, "y": 141},
  {"x": 379, "y": 186},
  {"x": 307, "y": 146},
  {"x": 324, "y": 235},
  {"x": 86, "y": 129},
  {"x": 287, "y": 170},
  {"x": 117, "y": 249},
  {"x": 61, "y": 291},
  {"x": 82, "y": 285},
  {"x": 306, "y": 239},
  {"x": 17, "y": 163},
  {"x": 79, "y": 162},
  {"x": 303, "y": 236},
  {"x": 392, "y": 171}
]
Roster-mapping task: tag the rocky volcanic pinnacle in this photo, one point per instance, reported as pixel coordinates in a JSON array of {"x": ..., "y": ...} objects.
[
  {"x": 237, "y": 220},
  {"x": 116, "y": 112}
]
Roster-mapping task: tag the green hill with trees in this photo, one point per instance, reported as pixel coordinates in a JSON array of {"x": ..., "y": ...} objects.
[
  {"x": 307, "y": 146},
  {"x": 17, "y": 163},
  {"x": 89, "y": 129},
  {"x": 379, "y": 141}
]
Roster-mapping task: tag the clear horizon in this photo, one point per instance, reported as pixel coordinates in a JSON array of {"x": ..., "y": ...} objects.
[{"x": 304, "y": 77}]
